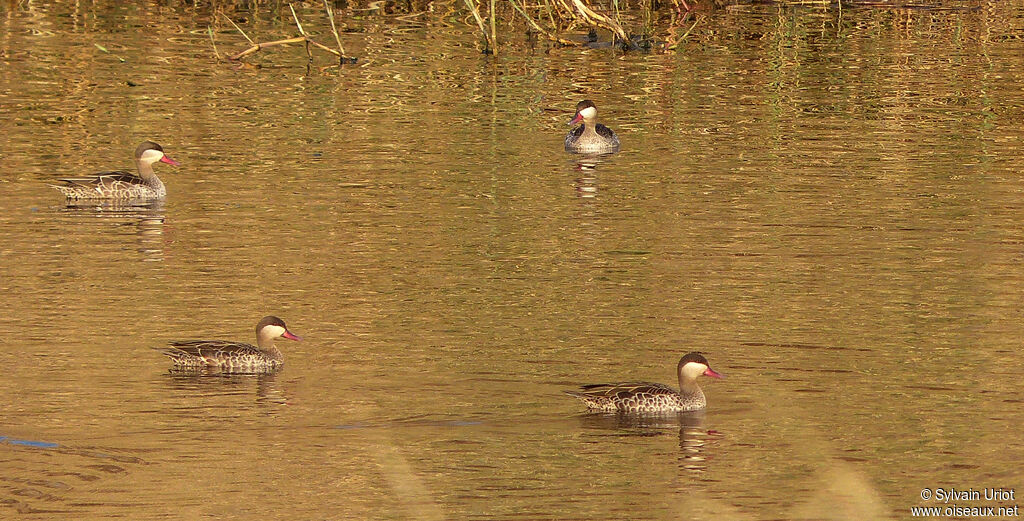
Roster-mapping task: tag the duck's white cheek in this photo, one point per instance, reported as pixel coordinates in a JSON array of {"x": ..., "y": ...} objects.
[
  {"x": 152, "y": 156},
  {"x": 693, "y": 369}
]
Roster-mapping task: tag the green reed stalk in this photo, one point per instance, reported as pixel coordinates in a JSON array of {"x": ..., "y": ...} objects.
[{"x": 209, "y": 30}]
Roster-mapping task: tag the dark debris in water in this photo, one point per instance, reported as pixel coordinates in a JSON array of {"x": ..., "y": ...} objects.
[{"x": 635, "y": 43}]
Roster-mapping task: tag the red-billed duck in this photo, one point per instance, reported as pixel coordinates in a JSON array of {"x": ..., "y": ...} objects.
[
  {"x": 591, "y": 137},
  {"x": 642, "y": 397},
  {"x": 122, "y": 185},
  {"x": 233, "y": 356}
]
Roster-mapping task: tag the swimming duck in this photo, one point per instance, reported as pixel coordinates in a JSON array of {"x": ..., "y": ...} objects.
[
  {"x": 233, "y": 356},
  {"x": 590, "y": 137},
  {"x": 122, "y": 185},
  {"x": 636, "y": 397}
]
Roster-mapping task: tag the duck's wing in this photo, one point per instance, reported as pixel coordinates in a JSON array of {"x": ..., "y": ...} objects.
[
  {"x": 102, "y": 185},
  {"x": 572, "y": 136},
  {"x": 623, "y": 390},
  {"x": 606, "y": 132},
  {"x": 626, "y": 396},
  {"x": 209, "y": 351},
  {"x": 104, "y": 178}
]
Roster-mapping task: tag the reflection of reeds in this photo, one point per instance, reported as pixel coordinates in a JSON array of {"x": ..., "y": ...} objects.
[{"x": 302, "y": 38}]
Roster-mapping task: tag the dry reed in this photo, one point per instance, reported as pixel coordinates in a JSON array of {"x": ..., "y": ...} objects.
[{"x": 302, "y": 38}]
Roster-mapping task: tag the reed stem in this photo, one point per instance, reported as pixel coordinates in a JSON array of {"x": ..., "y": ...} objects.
[
  {"x": 209, "y": 30},
  {"x": 296, "y": 17},
  {"x": 334, "y": 28},
  {"x": 239, "y": 29},
  {"x": 475, "y": 9},
  {"x": 494, "y": 32},
  {"x": 538, "y": 28}
]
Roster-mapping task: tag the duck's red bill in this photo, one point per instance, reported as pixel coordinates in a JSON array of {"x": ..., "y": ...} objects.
[
  {"x": 712, "y": 374},
  {"x": 169, "y": 161},
  {"x": 576, "y": 119},
  {"x": 290, "y": 336}
]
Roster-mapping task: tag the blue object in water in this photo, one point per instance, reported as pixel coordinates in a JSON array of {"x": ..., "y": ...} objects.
[{"x": 29, "y": 443}]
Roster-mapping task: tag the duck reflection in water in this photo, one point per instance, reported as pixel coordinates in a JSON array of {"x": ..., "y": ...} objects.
[
  {"x": 211, "y": 382},
  {"x": 585, "y": 166},
  {"x": 693, "y": 437},
  {"x": 593, "y": 142},
  {"x": 147, "y": 219}
]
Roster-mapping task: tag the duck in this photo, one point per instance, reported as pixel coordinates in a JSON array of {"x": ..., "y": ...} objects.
[
  {"x": 121, "y": 185},
  {"x": 233, "y": 356},
  {"x": 646, "y": 397},
  {"x": 591, "y": 137}
]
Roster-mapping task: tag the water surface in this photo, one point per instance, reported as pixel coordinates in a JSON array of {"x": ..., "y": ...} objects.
[{"x": 827, "y": 204}]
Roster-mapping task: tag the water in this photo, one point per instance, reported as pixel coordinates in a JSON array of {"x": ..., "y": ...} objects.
[{"x": 827, "y": 205}]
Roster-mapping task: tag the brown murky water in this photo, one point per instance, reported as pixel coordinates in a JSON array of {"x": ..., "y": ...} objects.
[{"x": 828, "y": 204}]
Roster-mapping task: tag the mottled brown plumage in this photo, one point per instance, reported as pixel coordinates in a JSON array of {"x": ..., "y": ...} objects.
[
  {"x": 120, "y": 185},
  {"x": 642, "y": 397},
  {"x": 233, "y": 356}
]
